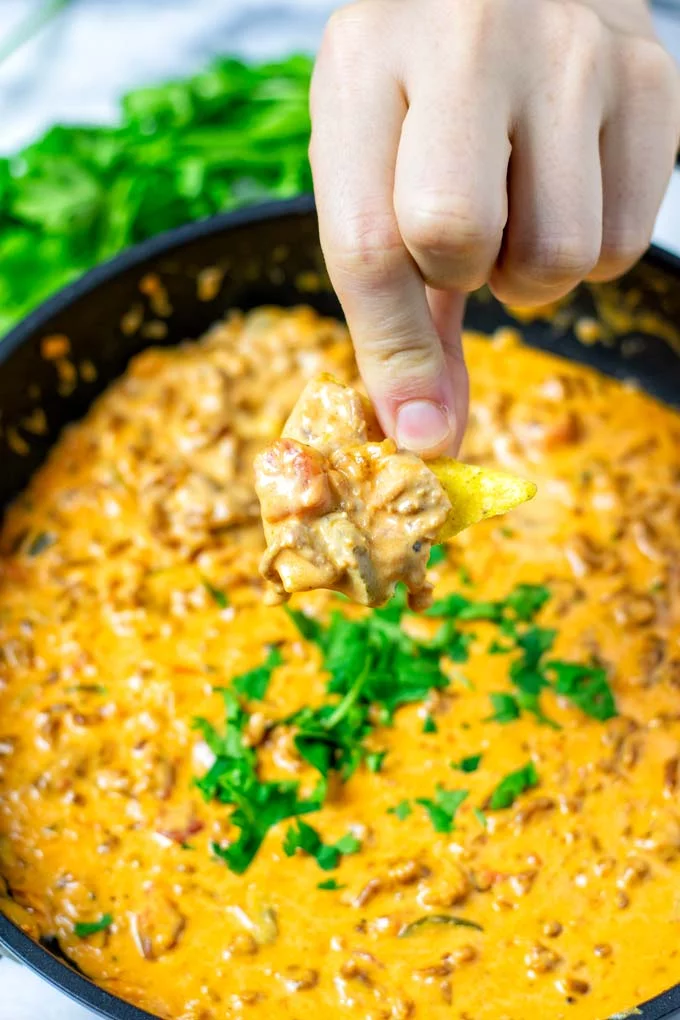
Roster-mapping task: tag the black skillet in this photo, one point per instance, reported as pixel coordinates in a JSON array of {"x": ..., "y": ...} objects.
[{"x": 270, "y": 255}]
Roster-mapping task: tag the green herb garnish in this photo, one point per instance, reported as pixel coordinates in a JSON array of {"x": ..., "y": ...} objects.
[
  {"x": 469, "y": 764},
  {"x": 465, "y": 577},
  {"x": 512, "y": 786},
  {"x": 505, "y": 707},
  {"x": 437, "y": 555},
  {"x": 586, "y": 687},
  {"x": 481, "y": 817},
  {"x": 374, "y": 760},
  {"x": 401, "y": 810},
  {"x": 306, "y": 839},
  {"x": 217, "y": 595},
  {"x": 83, "y": 929},
  {"x": 443, "y": 809},
  {"x": 330, "y": 884},
  {"x": 255, "y": 683},
  {"x": 430, "y": 725},
  {"x": 233, "y": 780}
]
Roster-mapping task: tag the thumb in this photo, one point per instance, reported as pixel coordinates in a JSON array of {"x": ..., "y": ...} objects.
[
  {"x": 410, "y": 359},
  {"x": 448, "y": 309}
]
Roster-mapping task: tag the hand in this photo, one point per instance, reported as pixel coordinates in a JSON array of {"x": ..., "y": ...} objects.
[{"x": 527, "y": 143}]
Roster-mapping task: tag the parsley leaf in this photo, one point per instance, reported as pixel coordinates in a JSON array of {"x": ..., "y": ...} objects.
[
  {"x": 443, "y": 809},
  {"x": 217, "y": 595},
  {"x": 309, "y": 628},
  {"x": 83, "y": 929},
  {"x": 330, "y": 884},
  {"x": 465, "y": 577},
  {"x": 526, "y": 672},
  {"x": 374, "y": 760},
  {"x": 505, "y": 707},
  {"x": 429, "y": 725},
  {"x": 514, "y": 784},
  {"x": 401, "y": 810},
  {"x": 481, "y": 817},
  {"x": 586, "y": 687},
  {"x": 259, "y": 807},
  {"x": 233, "y": 780},
  {"x": 305, "y": 838},
  {"x": 527, "y": 600},
  {"x": 255, "y": 683},
  {"x": 437, "y": 555},
  {"x": 469, "y": 764}
]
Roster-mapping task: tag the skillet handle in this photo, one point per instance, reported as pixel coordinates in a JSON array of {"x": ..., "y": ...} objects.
[{"x": 667, "y": 229}]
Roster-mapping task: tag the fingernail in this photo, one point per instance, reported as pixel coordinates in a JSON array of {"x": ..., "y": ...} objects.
[{"x": 423, "y": 426}]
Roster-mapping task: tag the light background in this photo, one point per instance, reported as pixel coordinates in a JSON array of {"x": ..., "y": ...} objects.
[{"x": 76, "y": 69}]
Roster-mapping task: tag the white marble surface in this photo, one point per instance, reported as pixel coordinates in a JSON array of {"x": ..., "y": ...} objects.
[{"x": 75, "y": 71}]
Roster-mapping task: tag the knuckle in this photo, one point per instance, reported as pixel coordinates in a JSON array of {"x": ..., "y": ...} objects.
[
  {"x": 573, "y": 22},
  {"x": 553, "y": 262},
  {"x": 342, "y": 51},
  {"x": 446, "y": 227},
  {"x": 651, "y": 68},
  {"x": 407, "y": 357},
  {"x": 367, "y": 246},
  {"x": 348, "y": 33},
  {"x": 622, "y": 248},
  {"x": 577, "y": 38}
]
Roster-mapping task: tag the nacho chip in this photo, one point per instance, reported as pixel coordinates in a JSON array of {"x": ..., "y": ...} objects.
[{"x": 477, "y": 493}]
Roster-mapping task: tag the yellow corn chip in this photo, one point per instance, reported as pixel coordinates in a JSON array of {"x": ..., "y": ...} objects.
[{"x": 477, "y": 493}]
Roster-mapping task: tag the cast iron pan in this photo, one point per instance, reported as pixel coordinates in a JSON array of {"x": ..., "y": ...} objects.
[{"x": 270, "y": 255}]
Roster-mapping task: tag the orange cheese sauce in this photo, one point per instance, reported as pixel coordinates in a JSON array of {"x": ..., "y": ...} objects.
[{"x": 112, "y": 643}]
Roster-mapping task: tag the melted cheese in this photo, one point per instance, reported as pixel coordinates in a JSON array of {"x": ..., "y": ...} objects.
[{"x": 112, "y": 643}]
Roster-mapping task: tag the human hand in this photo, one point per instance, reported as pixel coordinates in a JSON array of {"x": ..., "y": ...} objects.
[{"x": 527, "y": 143}]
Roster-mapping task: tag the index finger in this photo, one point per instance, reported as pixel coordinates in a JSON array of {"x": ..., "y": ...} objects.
[{"x": 358, "y": 109}]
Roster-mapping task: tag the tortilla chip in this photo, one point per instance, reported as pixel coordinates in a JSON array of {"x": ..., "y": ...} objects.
[{"x": 477, "y": 493}]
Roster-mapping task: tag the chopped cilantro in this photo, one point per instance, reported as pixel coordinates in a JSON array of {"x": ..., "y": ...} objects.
[
  {"x": 523, "y": 603},
  {"x": 310, "y": 629},
  {"x": 514, "y": 784},
  {"x": 217, "y": 595},
  {"x": 465, "y": 577},
  {"x": 401, "y": 810},
  {"x": 527, "y": 673},
  {"x": 586, "y": 687},
  {"x": 481, "y": 817},
  {"x": 83, "y": 929},
  {"x": 259, "y": 806},
  {"x": 443, "y": 809},
  {"x": 305, "y": 838},
  {"x": 527, "y": 600},
  {"x": 437, "y": 555},
  {"x": 469, "y": 764},
  {"x": 233, "y": 780},
  {"x": 374, "y": 760},
  {"x": 505, "y": 707},
  {"x": 498, "y": 648},
  {"x": 330, "y": 884},
  {"x": 429, "y": 726},
  {"x": 255, "y": 682}
]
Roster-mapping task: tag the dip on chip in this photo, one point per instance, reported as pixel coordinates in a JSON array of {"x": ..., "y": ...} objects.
[{"x": 344, "y": 509}]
